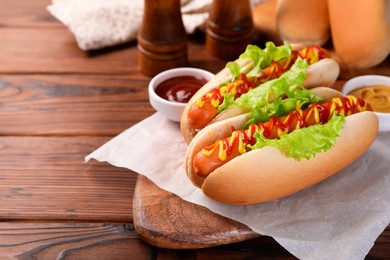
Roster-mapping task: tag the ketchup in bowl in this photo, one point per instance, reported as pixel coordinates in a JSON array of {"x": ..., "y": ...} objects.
[
  {"x": 180, "y": 88},
  {"x": 170, "y": 90}
]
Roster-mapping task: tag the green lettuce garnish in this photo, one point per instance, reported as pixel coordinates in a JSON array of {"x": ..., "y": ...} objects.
[
  {"x": 228, "y": 100},
  {"x": 234, "y": 69},
  {"x": 305, "y": 142},
  {"x": 261, "y": 58},
  {"x": 279, "y": 107}
]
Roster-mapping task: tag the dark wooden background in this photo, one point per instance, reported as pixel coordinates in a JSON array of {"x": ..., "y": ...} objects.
[{"x": 58, "y": 104}]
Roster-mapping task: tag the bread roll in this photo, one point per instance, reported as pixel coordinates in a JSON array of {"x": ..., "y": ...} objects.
[
  {"x": 303, "y": 21},
  {"x": 360, "y": 31}
]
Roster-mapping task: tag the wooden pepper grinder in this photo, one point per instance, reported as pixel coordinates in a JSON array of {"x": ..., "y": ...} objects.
[
  {"x": 229, "y": 28},
  {"x": 162, "y": 40}
]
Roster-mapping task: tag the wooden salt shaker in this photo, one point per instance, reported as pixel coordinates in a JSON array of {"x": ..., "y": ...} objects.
[
  {"x": 229, "y": 28},
  {"x": 162, "y": 40}
]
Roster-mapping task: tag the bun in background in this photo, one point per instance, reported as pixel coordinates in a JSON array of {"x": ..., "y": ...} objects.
[
  {"x": 303, "y": 21},
  {"x": 360, "y": 31}
]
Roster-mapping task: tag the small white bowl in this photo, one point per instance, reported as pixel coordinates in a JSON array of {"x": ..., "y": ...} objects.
[
  {"x": 365, "y": 81},
  {"x": 171, "y": 109}
]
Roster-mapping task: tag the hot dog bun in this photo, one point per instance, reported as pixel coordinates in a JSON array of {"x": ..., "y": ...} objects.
[
  {"x": 267, "y": 174},
  {"x": 322, "y": 73},
  {"x": 360, "y": 31},
  {"x": 303, "y": 21},
  {"x": 326, "y": 93},
  {"x": 279, "y": 176}
]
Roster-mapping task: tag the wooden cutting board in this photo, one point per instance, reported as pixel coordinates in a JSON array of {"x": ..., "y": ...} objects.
[{"x": 165, "y": 220}]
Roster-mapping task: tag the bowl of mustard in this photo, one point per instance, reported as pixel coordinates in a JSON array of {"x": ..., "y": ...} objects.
[{"x": 376, "y": 90}]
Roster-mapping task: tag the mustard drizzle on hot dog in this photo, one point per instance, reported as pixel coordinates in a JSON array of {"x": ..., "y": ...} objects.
[{"x": 278, "y": 126}]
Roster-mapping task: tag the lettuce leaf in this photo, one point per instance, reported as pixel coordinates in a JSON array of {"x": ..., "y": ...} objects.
[
  {"x": 261, "y": 57},
  {"x": 305, "y": 142},
  {"x": 234, "y": 69},
  {"x": 228, "y": 100},
  {"x": 279, "y": 107},
  {"x": 269, "y": 53}
]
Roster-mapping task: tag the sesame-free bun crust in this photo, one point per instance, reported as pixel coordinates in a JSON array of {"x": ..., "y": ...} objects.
[
  {"x": 322, "y": 73},
  {"x": 326, "y": 93},
  {"x": 267, "y": 174}
]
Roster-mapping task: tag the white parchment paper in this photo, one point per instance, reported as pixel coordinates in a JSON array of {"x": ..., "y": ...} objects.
[{"x": 339, "y": 218}]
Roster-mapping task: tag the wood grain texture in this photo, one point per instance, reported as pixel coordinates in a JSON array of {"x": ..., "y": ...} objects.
[
  {"x": 112, "y": 241},
  {"x": 34, "y": 240},
  {"x": 35, "y": 50},
  {"x": 45, "y": 178},
  {"x": 70, "y": 241},
  {"x": 26, "y": 13},
  {"x": 72, "y": 104},
  {"x": 163, "y": 219},
  {"x": 381, "y": 69},
  {"x": 54, "y": 51}
]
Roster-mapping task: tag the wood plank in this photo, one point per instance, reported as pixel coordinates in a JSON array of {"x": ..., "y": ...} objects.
[
  {"x": 45, "y": 178},
  {"x": 79, "y": 104},
  {"x": 34, "y": 50},
  {"x": 117, "y": 241},
  {"x": 70, "y": 241},
  {"x": 72, "y": 104},
  {"x": 381, "y": 69},
  {"x": 110, "y": 241},
  {"x": 27, "y": 13}
]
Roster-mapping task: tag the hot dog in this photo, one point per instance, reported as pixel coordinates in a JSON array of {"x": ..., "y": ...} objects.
[
  {"x": 270, "y": 160},
  {"x": 255, "y": 67}
]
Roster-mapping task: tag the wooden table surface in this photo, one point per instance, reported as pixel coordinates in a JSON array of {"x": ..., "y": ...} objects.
[{"x": 58, "y": 104}]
